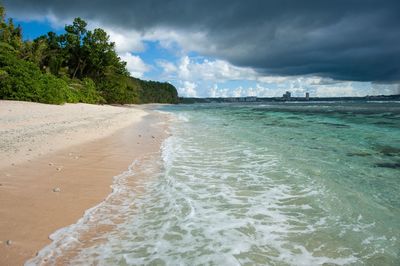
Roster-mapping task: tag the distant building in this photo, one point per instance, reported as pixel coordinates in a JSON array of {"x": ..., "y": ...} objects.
[
  {"x": 307, "y": 96},
  {"x": 250, "y": 99},
  {"x": 232, "y": 99},
  {"x": 287, "y": 95}
]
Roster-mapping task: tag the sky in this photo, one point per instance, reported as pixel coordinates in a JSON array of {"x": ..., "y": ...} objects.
[{"x": 221, "y": 48}]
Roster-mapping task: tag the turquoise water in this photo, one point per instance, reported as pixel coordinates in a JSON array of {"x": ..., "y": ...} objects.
[{"x": 274, "y": 184}]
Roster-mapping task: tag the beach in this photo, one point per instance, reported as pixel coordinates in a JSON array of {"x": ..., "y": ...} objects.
[
  {"x": 226, "y": 184},
  {"x": 251, "y": 184},
  {"x": 58, "y": 161}
]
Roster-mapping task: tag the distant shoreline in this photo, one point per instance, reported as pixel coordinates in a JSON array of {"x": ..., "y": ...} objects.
[{"x": 388, "y": 98}]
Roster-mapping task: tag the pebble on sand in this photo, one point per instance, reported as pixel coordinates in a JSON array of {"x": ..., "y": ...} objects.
[
  {"x": 56, "y": 189},
  {"x": 9, "y": 242}
]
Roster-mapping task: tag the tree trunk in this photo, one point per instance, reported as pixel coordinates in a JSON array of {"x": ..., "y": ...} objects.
[
  {"x": 82, "y": 67},
  {"x": 76, "y": 69}
]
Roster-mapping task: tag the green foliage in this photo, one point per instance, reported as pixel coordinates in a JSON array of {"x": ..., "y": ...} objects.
[
  {"x": 118, "y": 89},
  {"x": 77, "y": 66},
  {"x": 153, "y": 91},
  {"x": 8, "y": 32},
  {"x": 22, "y": 80},
  {"x": 89, "y": 93},
  {"x": 56, "y": 91}
]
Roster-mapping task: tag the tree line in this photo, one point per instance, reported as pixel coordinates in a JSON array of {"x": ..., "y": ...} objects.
[{"x": 79, "y": 65}]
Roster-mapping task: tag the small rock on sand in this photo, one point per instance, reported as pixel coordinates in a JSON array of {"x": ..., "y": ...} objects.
[
  {"x": 51, "y": 164},
  {"x": 9, "y": 242},
  {"x": 56, "y": 189},
  {"x": 59, "y": 169}
]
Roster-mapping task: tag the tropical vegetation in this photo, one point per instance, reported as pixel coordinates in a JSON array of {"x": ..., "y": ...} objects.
[{"x": 79, "y": 65}]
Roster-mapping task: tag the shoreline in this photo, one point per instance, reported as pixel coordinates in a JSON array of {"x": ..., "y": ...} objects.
[{"x": 45, "y": 193}]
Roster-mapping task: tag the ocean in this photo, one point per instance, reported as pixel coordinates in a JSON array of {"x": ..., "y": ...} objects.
[{"x": 253, "y": 184}]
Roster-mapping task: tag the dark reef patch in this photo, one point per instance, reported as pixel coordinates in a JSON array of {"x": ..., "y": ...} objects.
[
  {"x": 387, "y": 150},
  {"x": 389, "y": 165},
  {"x": 359, "y": 154},
  {"x": 335, "y": 125}
]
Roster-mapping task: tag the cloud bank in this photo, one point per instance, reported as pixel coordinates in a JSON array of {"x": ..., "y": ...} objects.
[{"x": 342, "y": 40}]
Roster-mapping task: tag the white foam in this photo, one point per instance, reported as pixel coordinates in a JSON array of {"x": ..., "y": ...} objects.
[{"x": 66, "y": 238}]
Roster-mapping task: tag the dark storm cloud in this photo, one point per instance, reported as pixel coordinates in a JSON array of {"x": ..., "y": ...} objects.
[{"x": 344, "y": 40}]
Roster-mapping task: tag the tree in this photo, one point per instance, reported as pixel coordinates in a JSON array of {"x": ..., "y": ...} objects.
[
  {"x": 8, "y": 32},
  {"x": 72, "y": 41},
  {"x": 77, "y": 66},
  {"x": 101, "y": 54}
]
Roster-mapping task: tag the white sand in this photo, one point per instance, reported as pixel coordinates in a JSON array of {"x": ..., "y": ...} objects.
[
  {"x": 29, "y": 130},
  {"x": 58, "y": 161}
]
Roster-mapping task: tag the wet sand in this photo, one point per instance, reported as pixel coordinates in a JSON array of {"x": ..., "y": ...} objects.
[{"x": 42, "y": 194}]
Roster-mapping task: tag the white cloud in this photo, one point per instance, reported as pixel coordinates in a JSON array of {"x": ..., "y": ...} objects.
[
  {"x": 240, "y": 91},
  {"x": 168, "y": 67},
  {"x": 189, "y": 69},
  {"x": 344, "y": 89},
  {"x": 126, "y": 41},
  {"x": 54, "y": 21},
  {"x": 200, "y": 77},
  {"x": 135, "y": 64},
  {"x": 219, "y": 71},
  {"x": 188, "y": 89},
  {"x": 179, "y": 42},
  {"x": 385, "y": 88}
]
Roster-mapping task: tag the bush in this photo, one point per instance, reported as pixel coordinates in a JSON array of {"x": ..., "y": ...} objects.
[
  {"x": 89, "y": 92},
  {"x": 118, "y": 89},
  {"x": 56, "y": 91},
  {"x": 20, "y": 80},
  {"x": 23, "y": 81}
]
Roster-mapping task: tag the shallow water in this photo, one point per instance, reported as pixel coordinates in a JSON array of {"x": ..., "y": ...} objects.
[{"x": 277, "y": 184}]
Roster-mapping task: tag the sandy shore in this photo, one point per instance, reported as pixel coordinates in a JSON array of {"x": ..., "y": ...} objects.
[
  {"x": 58, "y": 161},
  {"x": 29, "y": 130}
]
